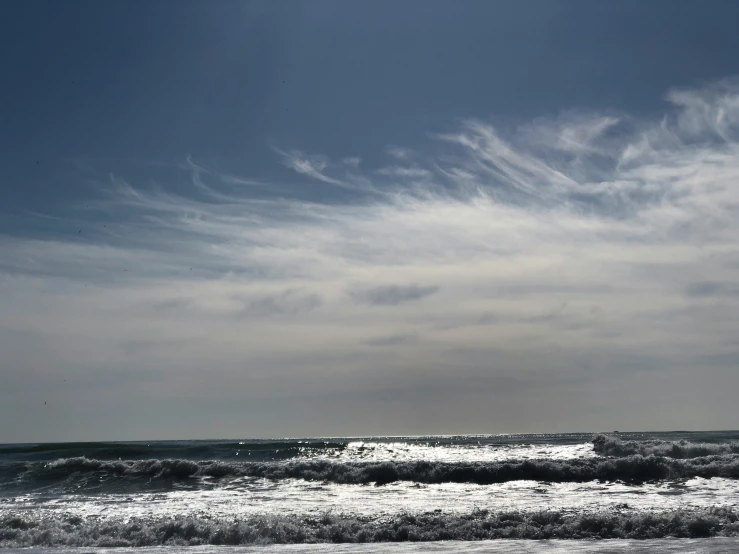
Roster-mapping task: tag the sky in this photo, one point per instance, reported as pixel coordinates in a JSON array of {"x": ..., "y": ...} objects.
[{"x": 327, "y": 218}]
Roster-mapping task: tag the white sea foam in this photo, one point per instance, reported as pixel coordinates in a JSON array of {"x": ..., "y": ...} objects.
[
  {"x": 371, "y": 490},
  {"x": 369, "y": 451}
]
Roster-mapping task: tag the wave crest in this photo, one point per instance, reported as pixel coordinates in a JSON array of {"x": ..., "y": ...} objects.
[
  {"x": 22, "y": 530},
  {"x": 633, "y": 469},
  {"x": 606, "y": 445}
]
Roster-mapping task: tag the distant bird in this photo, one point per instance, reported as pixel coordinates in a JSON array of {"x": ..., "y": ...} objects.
[
  {"x": 79, "y": 231},
  {"x": 44, "y": 403}
]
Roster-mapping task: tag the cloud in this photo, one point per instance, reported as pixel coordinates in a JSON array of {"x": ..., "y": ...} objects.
[
  {"x": 573, "y": 133},
  {"x": 289, "y": 302},
  {"x": 400, "y": 153},
  {"x": 318, "y": 167},
  {"x": 712, "y": 288},
  {"x": 404, "y": 172},
  {"x": 311, "y": 166},
  {"x": 353, "y": 161},
  {"x": 598, "y": 251},
  {"x": 392, "y": 295},
  {"x": 391, "y": 340}
]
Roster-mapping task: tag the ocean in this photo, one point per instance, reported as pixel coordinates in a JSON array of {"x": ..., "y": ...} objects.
[{"x": 572, "y": 492}]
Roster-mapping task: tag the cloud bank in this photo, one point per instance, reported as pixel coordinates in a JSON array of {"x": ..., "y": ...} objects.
[{"x": 587, "y": 261}]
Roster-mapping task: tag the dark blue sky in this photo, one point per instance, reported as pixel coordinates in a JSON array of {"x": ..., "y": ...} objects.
[{"x": 129, "y": 83}]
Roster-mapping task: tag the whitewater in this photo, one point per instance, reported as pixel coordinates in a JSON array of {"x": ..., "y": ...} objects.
[{"x": 617, "y": 492}]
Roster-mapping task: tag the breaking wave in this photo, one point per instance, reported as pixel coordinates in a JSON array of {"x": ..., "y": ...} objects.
[
  {"x": 632, "y": 469},
  {"x": 612, "y": 446},
  {"x": 24, "y": 531}
]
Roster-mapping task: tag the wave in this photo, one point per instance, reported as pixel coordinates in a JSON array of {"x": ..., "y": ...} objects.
[
  {"x": 197, "y": 450},
  {"x": 612, "y": 446},
  {"x": 24, "y": 530},
  {"x": 631, "y": 469}
]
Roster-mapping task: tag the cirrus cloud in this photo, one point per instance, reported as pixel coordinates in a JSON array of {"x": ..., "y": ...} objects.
[{"x": 586, "y": 251}]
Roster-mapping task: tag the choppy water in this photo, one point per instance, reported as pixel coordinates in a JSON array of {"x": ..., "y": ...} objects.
[{"x": 642, "y": 486}]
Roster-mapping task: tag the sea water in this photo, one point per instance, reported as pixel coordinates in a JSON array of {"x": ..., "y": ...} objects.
[{"x": 636, "y": 492}]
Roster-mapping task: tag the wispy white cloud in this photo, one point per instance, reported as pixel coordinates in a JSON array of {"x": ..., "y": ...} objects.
[
  {"x": 318, "y": 167},
  {"x": 586, "y": 248},
  {"x": 353, "y": 161},
  {"x": 310, "y": 166},
  {"x": 404, "y": 172},
  {"x": 400, "y": 153}
]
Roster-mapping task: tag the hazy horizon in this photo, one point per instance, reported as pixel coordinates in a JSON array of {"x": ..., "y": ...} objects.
[
  {"x": 608, "y": 432},
  {"x": 326, "y": 219}
]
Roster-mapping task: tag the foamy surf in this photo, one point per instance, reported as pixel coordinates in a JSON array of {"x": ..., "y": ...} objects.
[{"x": 554, "y": 488}]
